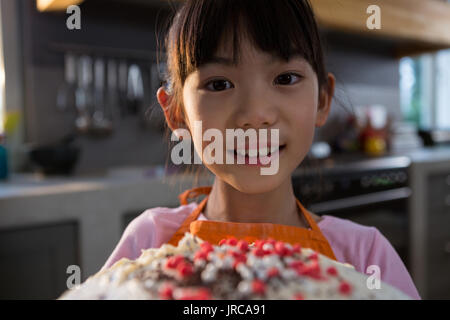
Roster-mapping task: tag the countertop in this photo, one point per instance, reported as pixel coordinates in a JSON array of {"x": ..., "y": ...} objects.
[
  {"x": 28, "y": 184},
  {"x": 97, "y": 204}
]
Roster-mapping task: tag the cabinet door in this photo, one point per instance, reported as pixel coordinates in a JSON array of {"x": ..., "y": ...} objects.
[
  {"x": 438, "y": 236},
  {"x": 34, "y": 260},
  {"x": 438, "y": 256}
]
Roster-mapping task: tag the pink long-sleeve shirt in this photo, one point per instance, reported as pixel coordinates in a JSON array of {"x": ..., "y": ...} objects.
[{"x": 352, "y": 243}]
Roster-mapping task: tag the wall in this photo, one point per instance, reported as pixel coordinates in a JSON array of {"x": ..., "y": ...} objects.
[
  {"x": 366, "y": 73},
  {"x": 104, "y": 24}
]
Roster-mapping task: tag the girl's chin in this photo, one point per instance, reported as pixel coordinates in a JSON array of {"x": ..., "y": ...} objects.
[{"x": 254, "y": 183}]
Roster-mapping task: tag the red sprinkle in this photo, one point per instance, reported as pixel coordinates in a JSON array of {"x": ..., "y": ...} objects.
[
  {"x": 259, "y": 243},
  {"x": 206, "y": 246},
  {"x": 271, "y": 241},
  {"x": 281, "y": 249},
  {"x": 314, "y": 256},
  {"x": 279, "y": 246},
  {"x": 296, "y": 264},
  {"x": 296, "y": 248},
  {"x": 193, "y": 294},
  {"x": 298, "y": 296},
  {"x": 259, "y": 252},
  {"x": 237, "y": 255},
  {"x": 184, "y": 269},
  {"x": 258, "y": 287},
  {"x": 345, "y": 288},
  {"x": 200, "y": 255},
  {"x": 312, "y": 270},
  {"x": 231, "y": 241},
  {"x": 222, "y": 242},
  {"x": 273, "y": 272},
  {"x": 242, "y": 245},
  {"x": 166, "y": 291},
  {"x": 332, "y": 271},
  {"x": 173, "y": 261}
]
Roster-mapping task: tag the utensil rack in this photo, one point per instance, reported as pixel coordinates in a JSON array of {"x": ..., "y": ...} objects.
[{"x": 142, "y": 56}]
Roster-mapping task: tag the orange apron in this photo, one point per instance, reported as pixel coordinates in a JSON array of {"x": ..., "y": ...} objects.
[{"x": 214, "y": 231}]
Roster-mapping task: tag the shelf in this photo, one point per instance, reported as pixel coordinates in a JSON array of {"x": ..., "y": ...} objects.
[
  {"x": 416, "y": 25},
  {"x": 55, "y": 5},
  {"x": 119, "y": 53}
]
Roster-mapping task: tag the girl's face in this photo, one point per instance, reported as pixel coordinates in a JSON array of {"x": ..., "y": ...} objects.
[{"x": 262, "y": 92}]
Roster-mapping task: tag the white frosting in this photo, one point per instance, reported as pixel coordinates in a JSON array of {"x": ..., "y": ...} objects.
[{"x": 120, "y": 281}]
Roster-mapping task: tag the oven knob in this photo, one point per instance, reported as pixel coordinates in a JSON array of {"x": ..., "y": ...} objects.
[
  {"x": 401, "y": 177},
  {"x": 392, "y": 177},
  {"x": 365, "y": 181},
  {"x": 447, "y": 200},
  {"x": 447, "y": 247},
  {"x": 376, "y": 180}
]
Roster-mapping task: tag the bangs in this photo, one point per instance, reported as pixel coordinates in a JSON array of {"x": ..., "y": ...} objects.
[{"x": 282, "y": 28}]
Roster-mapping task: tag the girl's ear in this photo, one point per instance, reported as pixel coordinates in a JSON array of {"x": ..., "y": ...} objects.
[
  {"x": 163, "y": 99},
  {"x": 326, "y": 96}
]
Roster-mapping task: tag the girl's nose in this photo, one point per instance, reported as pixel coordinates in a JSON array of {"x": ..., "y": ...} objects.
[{"x": 256, "y": 112}]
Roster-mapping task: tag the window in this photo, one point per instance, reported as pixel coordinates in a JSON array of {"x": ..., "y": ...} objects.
[
  {"x": 443, "y": 89},
  {"x": 425, "y": 90}
]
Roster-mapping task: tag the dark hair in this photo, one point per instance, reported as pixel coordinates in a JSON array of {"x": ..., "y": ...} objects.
[{"x": 283, "y": 28}]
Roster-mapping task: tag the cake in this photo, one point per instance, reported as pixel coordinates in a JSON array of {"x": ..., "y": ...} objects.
[{"x": 196, "y": 270}]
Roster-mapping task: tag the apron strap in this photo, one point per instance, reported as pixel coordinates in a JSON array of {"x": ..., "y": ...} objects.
[
  {"x": 186, "y": 225},
  {"x": 308, "y": 217},
  {"x": 193, "y": 193}
]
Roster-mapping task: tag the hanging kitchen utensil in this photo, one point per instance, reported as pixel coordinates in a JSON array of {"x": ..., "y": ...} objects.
[
  {"x": 144, "y": 109},
  {"x": 112, "y": 95},
  {"x": 135, "y": 90},
  {"x": 84, "y": 95},
  {"x": 122, "y": 86},
  {"x": 100, "y": 123},
  {"x": 65, "y": 98}
]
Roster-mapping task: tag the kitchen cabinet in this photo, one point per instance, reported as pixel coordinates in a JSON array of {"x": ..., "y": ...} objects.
[
  {"x": 438, "y": 239},
  {"x": 407, "y": 26},
  {"x": 414, "y": 26},
  {"x": 49, "y": 224},
  {"x": 34, "y": 260}
]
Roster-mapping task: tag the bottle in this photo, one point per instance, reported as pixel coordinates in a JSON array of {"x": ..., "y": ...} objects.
[
  {"x": 3, "y": 159},
  {"x": 373, "y": 137}
]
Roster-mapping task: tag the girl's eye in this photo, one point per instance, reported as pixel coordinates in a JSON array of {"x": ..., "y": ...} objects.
[
  {"x": 286, "y": 78},
  {"x": 217, "y": 85}
]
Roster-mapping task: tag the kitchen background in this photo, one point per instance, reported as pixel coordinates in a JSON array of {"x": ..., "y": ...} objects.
[{"x": 86, "y": 147}]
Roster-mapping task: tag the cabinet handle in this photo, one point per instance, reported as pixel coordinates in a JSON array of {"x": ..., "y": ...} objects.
[{"x": 447, "y": 247}]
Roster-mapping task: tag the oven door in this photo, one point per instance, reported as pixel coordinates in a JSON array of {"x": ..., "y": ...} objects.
[{"x": 385, "y": 210}]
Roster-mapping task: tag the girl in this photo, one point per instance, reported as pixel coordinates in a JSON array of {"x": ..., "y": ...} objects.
[{"x": 253, "y": 65}]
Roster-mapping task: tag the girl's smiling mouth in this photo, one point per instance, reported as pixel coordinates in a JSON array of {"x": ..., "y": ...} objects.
[{"x": 257, "y": 157}]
